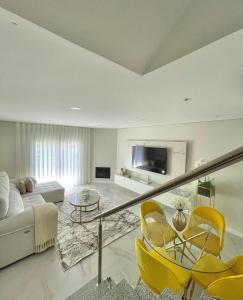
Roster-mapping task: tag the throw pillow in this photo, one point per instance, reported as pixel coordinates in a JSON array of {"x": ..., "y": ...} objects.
[
  {"x": 21, "y": 186},
  {"x": 29, "y": 185},
  {"x": 33, "y": 180}
]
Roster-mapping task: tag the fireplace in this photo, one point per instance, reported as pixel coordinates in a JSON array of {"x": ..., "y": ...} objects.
[{"x": 101, "y": 172}]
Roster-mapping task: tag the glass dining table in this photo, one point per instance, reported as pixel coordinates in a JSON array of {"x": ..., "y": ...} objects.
[{"x": 200, "y": 237}]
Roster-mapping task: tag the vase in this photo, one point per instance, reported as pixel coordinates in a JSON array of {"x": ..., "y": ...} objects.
[{"x": 179, "y": 220}]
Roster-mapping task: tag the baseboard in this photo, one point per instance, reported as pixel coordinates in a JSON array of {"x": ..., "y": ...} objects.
[{"x": 235, "y": 232}]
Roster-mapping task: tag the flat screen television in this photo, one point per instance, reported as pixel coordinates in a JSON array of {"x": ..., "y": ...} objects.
[{"x": 150, "y": 159}]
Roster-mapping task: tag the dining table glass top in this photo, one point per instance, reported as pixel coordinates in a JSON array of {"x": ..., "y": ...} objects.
[{"x": 187, "y": 248}]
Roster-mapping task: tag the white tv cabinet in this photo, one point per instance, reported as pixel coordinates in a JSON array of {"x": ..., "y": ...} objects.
[
  {"x": 133, "y": 184},
  {"x": 139, "y": 187}
]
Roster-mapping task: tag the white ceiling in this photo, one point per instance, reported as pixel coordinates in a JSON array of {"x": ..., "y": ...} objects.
[
  {"x": 42, "y": 75},
  {"x": 141, "y": 35}
]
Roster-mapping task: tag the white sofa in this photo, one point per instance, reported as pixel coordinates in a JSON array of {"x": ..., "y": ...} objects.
[{"x": 17, "y": 222}]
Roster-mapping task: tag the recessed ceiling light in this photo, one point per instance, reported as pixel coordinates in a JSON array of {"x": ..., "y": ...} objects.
[
  {"x": 14, "y": 23},
  {"x": 187, "y": 99},
  {"x": 75, "y": 108}
]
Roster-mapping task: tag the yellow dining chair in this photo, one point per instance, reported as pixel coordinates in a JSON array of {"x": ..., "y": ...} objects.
[
  {"x": 159, "y": 272},
  {"x": 227, "y": 285},
  {"x": 212, "y": 242},
  {"x": 154, "y": 226}
]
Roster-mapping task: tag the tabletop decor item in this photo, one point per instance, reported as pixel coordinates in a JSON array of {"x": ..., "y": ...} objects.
[
  {"x": 179, "y": 219},
  {"x": 85, "y": 194},
  {"x": 123, "y": 172}
]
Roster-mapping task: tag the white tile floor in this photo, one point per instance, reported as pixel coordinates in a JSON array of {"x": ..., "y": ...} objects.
[{"x": 41, "y": 277}]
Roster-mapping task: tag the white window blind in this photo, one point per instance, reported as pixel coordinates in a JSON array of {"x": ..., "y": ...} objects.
[{"x": 52, "y": 152}]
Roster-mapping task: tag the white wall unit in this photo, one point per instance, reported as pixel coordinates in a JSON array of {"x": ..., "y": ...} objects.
[
  {"x": 132, "y": 184},
  {"x": 176, "y": 157},
  {"x": 207, "y": 140},
  {"x": 140, "y": 188}
]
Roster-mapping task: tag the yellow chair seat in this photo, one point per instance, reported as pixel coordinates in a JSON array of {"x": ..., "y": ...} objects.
[
  {"x": 212, "y": 244},
  {"x": 164, "y": 257},
  {"x": 208, "y": 263},
  {"x": 160, "y": 235}
]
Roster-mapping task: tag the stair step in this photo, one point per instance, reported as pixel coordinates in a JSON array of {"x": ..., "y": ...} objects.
[
  {"x": 91, "y": 291},
  {"x": 122, "y": 291},
  {"x": 167, "y": 294},
  {"x": 144, "y": 293},
  {"x": 108, "y": 290}
]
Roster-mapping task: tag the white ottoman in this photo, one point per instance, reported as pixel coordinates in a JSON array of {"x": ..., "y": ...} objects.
[{"x": 51, "y": 191}]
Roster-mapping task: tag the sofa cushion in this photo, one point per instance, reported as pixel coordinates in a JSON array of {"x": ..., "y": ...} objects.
[
  {"x": 33, "y": 200},
  {"x": 16, "y": 205},
  {"x": 4, "y": 194},
  {"x": 51, "y": 191}
]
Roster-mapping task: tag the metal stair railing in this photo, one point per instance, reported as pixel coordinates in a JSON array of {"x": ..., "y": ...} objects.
[{"x": 215, "y": 165}]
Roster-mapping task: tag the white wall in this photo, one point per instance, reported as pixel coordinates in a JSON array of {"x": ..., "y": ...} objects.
[
  {"x": 7, "y": 148},
  {"x": 103, "y": 150},
  {"x": 207, "y": 140}
]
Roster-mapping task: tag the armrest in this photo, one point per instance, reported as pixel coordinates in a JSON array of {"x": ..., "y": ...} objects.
[{"x": 15, "y": 223}]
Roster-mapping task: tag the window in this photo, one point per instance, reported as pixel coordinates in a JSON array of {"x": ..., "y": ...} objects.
[
  {"x": 58, "y": 161},
  {"x": 51, "y": 152}
]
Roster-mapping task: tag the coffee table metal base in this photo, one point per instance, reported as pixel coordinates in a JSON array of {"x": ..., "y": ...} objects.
[{"x": 81, "y": 210}]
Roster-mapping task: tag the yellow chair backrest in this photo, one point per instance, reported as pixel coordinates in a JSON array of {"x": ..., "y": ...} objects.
[
  {"x": 230, "y": 287},
  {"x": 153, "y": 273},
  {"x": 227, "y": 288},
  {"x": 147, "y": 207},
  {"x": 150, "y": 206},
  {"x": 214, "y": 217},
  {"x": 237, "y": 267}
]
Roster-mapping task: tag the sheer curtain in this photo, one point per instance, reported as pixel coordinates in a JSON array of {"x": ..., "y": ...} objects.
[{"x": 52, "y": 152}]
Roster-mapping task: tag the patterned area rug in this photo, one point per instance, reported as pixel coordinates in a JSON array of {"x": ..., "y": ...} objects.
[{"x": 75, "y": 241}]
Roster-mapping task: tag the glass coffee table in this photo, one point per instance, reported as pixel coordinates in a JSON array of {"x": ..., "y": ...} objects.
[{"x": 92, "y": 202}]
